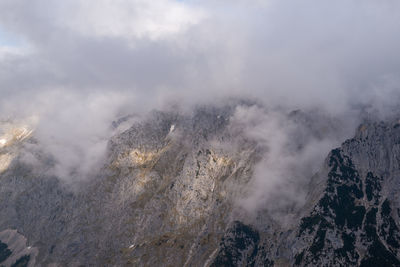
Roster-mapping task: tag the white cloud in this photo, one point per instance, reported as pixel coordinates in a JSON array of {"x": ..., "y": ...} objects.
[
  {"x": 308, "y": 54},
  {"x": 293, "y": 149},
  {"x": 129, "y": 19}
]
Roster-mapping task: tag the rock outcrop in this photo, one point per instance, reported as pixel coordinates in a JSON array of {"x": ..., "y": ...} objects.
[{"x": 167, "y": 195}]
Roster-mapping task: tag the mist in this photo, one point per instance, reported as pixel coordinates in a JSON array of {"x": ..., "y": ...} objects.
[{"x": 75, "y": 66}]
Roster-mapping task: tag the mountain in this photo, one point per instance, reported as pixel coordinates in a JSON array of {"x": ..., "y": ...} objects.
[{"x": 169, "y": 191}]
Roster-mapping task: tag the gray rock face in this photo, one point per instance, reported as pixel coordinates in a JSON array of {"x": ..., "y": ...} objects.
[
  {"x": 167, "y": 196},
  {"x": 355, "y": 220}
]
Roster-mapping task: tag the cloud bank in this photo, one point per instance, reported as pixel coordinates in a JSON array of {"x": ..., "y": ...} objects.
[{"x": 77, "y": 65}]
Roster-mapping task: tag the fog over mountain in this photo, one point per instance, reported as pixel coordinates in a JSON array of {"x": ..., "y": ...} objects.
[
  {"x": 77, "y": 65},
  {"x": 291, "y": 80}
]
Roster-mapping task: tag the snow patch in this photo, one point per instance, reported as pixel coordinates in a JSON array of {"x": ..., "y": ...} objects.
[{"x": 3, "y": 141}]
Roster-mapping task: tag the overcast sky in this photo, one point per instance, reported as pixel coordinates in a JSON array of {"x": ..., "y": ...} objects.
[
  {"x": 295, "y": 52},
  {"x": 77, "y": 64}
]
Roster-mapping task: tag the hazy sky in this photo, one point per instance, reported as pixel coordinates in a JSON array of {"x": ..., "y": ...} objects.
[
  {"x": 77, "y": 64},
  {"x": 300, "y": 53}
]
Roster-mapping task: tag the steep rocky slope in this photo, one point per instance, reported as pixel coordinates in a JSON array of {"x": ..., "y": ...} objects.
[
  {"x": 162, "y": 198},
  {"x": 354, "y": 220},
  {"x": 167, "y": 196}
]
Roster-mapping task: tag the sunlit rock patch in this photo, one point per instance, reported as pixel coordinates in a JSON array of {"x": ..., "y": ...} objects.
[
  {"x": 5, "y": 161},
  {"x": 13, "y": 135},
  {"x": 10, "y": 136}
]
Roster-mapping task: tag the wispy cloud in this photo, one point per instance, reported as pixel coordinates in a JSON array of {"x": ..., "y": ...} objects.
[{"x": 91, "y": 60}]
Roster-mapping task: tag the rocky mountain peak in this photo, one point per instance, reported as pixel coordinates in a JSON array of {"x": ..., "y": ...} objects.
[{"x": 168, "y": 195}]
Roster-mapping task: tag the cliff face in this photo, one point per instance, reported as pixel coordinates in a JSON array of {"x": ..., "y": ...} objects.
[
  {"x": 164, "y": 196},
  {"x": 167, "y": 196},
  {"x": 354, "y": 220}
]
